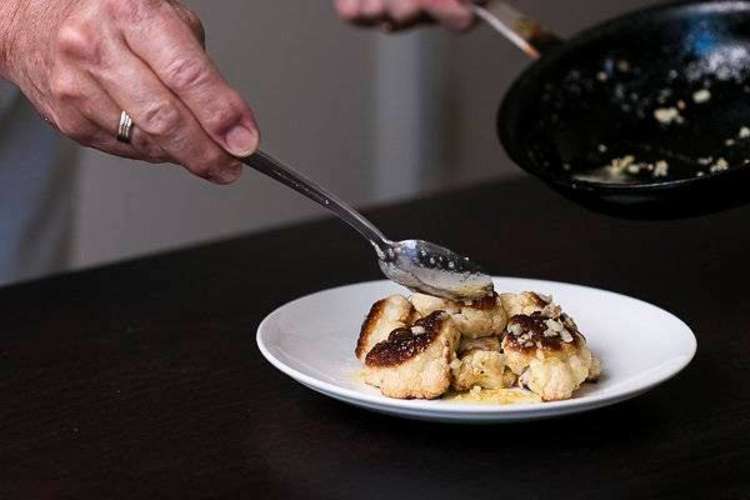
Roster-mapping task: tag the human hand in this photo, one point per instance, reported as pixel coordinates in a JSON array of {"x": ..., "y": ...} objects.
[
  {"x": 82, "y": 62},
  {"x": 399, "y": 14}
]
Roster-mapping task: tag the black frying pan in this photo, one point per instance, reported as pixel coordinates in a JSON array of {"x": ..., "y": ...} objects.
[{"x": 644, "y": 116}]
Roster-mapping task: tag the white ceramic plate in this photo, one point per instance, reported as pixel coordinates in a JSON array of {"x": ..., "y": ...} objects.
[{"x": 312, "y": 340}]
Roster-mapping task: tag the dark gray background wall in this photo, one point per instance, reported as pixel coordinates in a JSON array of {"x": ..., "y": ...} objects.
[{"x": 373, "y": 117}]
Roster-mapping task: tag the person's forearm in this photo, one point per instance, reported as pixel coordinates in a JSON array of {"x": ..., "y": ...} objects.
[{"x": 8, "y": 16}]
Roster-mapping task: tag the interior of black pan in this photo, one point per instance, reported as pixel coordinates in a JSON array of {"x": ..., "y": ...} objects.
[{"x": 654, "y": 102}]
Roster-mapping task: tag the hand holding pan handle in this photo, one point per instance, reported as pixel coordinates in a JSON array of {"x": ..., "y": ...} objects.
[{"x": 526, "y": 33}]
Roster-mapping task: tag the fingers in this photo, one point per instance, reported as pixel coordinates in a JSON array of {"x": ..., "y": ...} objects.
[
  {"x": 86, "y": 114},
  {"x": 165, "y": 119},
  {"x": 405, "y": 13},
  {"x": 362, "y": 12},
  {"x": 169, "y": 48},
  {"x": 453, "y": 14},
  {"x": 104, "y": 115},
  {"x": 399, "y": 14}
]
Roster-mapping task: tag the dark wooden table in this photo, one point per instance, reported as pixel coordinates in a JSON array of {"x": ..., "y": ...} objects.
[{"x": 142, "y": 380}]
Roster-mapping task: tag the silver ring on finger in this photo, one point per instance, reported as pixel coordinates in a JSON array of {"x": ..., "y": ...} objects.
[{"x": 125, "y": 128}]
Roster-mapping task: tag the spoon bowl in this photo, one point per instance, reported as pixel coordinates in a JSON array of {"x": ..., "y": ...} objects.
[{"x": 428, "y": 268}]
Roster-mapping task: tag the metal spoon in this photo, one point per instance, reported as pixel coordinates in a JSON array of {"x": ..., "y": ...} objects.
[{"x": 418, "y": 265}]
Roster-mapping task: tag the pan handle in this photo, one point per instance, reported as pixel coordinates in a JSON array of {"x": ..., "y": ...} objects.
[{"x": 526, "y": 33}]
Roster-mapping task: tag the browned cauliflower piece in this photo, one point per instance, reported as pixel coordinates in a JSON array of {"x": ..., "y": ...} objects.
[
  {"x": 414, "y": 363},
  {"x": 385, "y": 316},
  {"x": 548, "y": 353},
  {"x": 480, "y": 318}
]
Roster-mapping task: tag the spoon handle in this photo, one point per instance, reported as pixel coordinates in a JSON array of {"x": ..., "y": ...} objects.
[
  {"x": 270, "y": 166},
  {"x": 526, "y": 33}
]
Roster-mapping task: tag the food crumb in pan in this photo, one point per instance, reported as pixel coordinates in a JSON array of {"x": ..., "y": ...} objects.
[
  {"x": 602, "y": 76},
  {"x": 602, "y": 148},
  {"x": 729, "y": 142},
  {"x": 681, "y": 105},
  {"x": 566, "y": 166},
  {"x": 629, "y": 165},
  {"x": 744, "y": 133},
  {"x": 661, "y": 169},
  {"x": 619, "y": 164},
  {"x": 635, "y": 168},
  {"x": 668, "y": 115},
  {"x": 720, "y": 166},
  {"x": 623, "y": 65},
  {"x": 701, "y": 96},
  {"x": 701, "y": 173},
  {"x": 706, "y": 161},
  {"x": 673, "y": 74}
]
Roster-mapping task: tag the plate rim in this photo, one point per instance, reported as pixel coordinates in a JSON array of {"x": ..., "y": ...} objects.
[{"x": 475, "y": 410}]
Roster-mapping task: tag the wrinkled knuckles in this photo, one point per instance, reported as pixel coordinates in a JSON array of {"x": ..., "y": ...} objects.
[
  {"x": 63, "y": 87},
  {"x": 186, "y": 73},
  {"x": 130, "y": 11},
  {"x": 78, "y": 42},
  {"x": 161, "y": 119}
]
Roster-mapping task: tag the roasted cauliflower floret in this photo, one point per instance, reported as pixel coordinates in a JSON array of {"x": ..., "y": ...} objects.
[
  {"x": 414, "y": 362},
  {"x": 480, "y": 318},
  {"x": 385, "y": 316},
  {"x": 481, "y": 344},
  {"x": 548, "y": 353},
  {"x": 528, "y": 303},
  {"x": 479, "y": 362}
]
